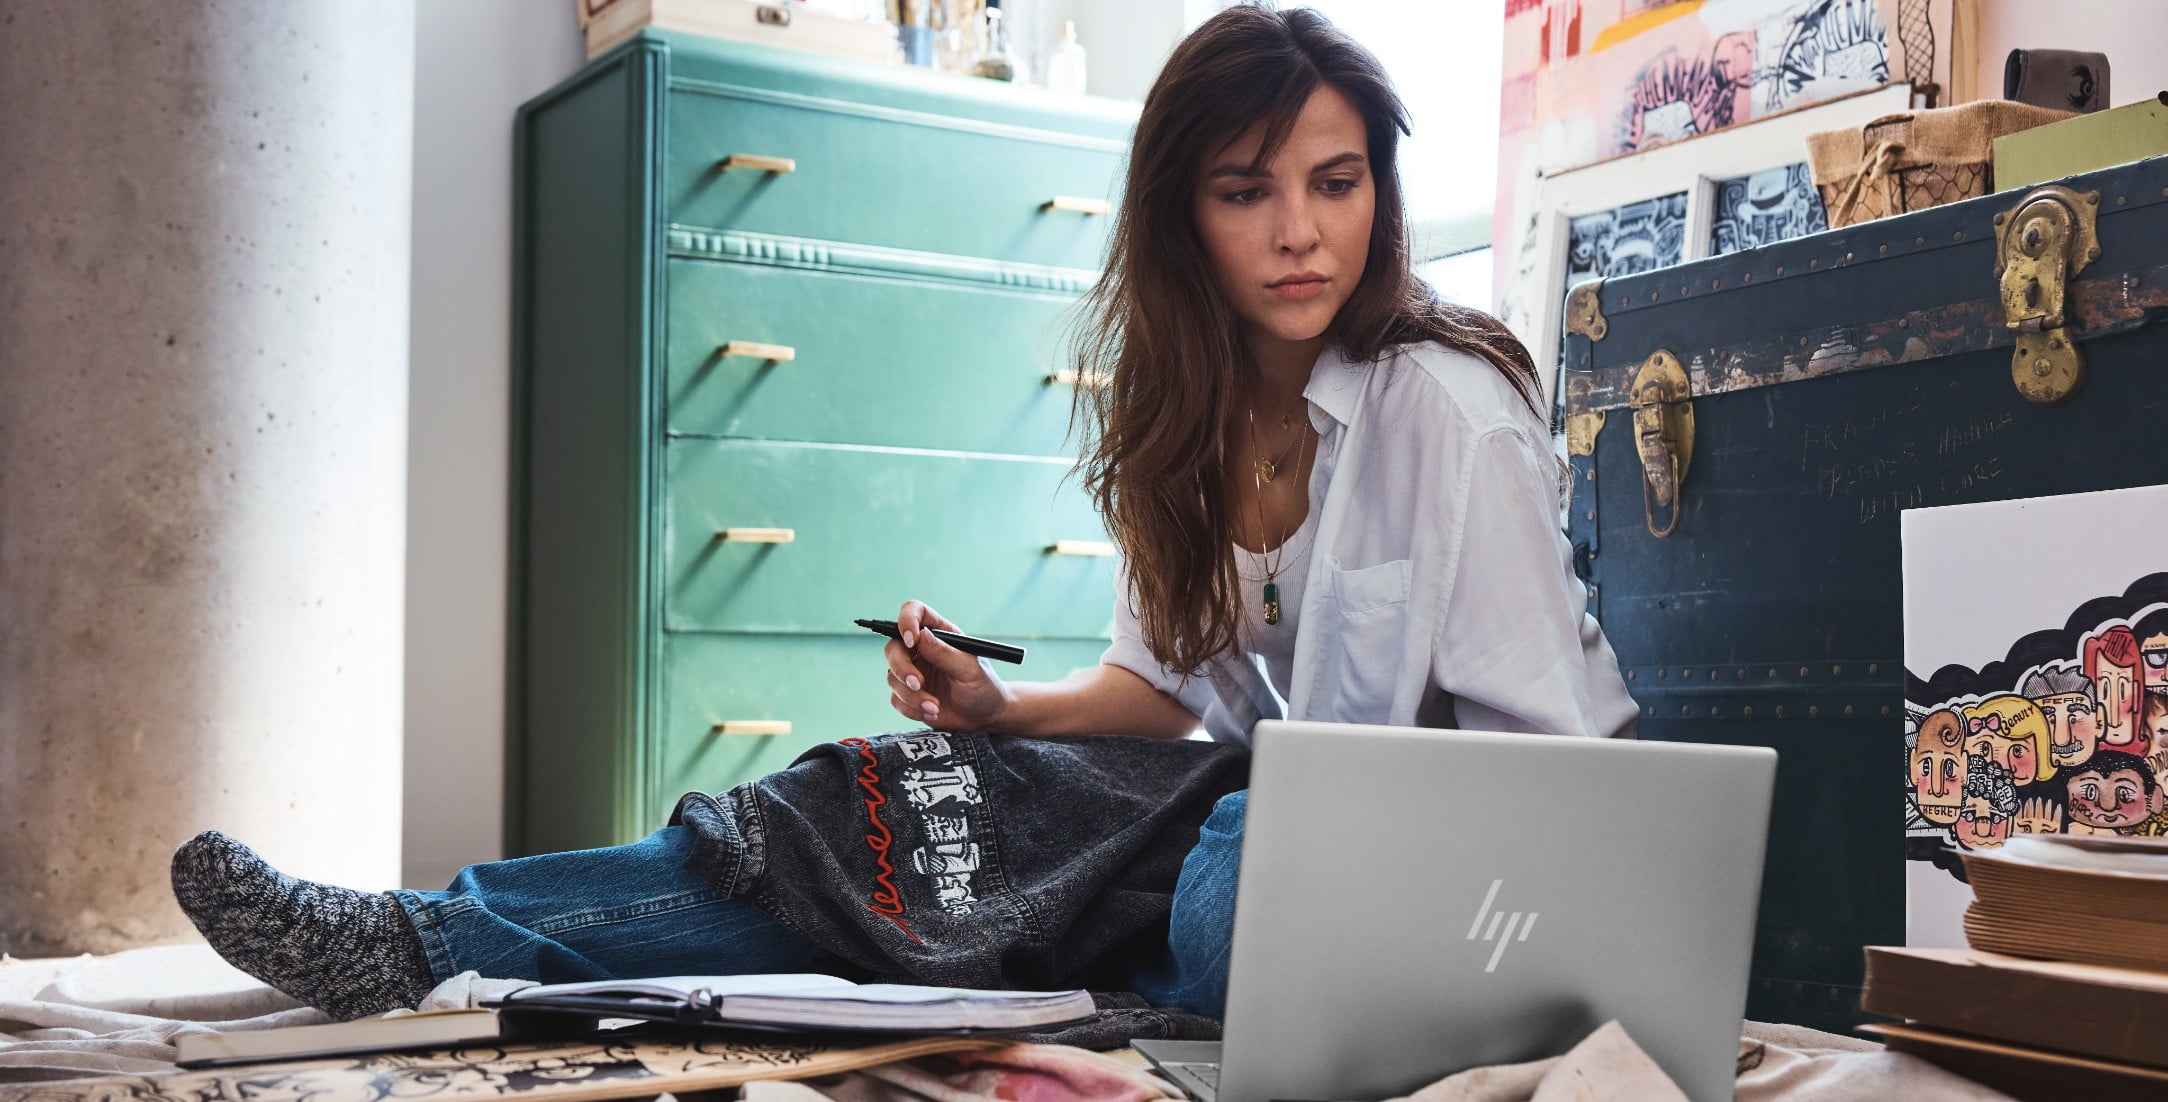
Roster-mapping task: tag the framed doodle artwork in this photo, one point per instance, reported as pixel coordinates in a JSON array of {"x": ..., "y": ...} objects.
[
  {"x": 1588, "y": 81},
  {"x": 1731, "y": 190},
  {"x": 1761, "y": 208},
  {"x": 2036, "y": 683}
]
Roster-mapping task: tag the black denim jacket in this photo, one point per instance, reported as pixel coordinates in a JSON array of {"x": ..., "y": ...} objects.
[{"x": 975, "y": 860}]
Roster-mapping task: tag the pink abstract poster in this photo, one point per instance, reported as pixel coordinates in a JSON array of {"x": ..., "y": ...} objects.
[{"x": 1588, "y": 80}]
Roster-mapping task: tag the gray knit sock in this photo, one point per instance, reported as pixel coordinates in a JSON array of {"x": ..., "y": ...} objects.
[{"x": 348, "y": 953}]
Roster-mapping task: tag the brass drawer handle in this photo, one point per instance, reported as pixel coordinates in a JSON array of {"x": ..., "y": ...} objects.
[
  {"x": 757, "y": 535},
  {"x": 758, "y": 163},
  {"x": 751, "y": 727},
  {"x": 1078, "y": 204},
  {"x": 773, "y": 353},
  {"x": 1090, "y": 549},
  {"x": 1067, "y": 377}
]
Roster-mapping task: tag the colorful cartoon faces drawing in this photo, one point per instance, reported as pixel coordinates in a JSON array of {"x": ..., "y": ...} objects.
[
  {"x": 2153, "y": 653},
  {"x": 2113, "y": 791},
  {"x": 1990, "y": 804},
  {"x": 2012, "y": 732},
  {"x": 2073, "y": 725},
  {"x": 1938, "y": 767},
  {"x": 2111, "y": 660},
  {"x": 2151, "y": 631},
  {"x": 2068, "y": 734},
  {"x": 2037, "y": 815}
]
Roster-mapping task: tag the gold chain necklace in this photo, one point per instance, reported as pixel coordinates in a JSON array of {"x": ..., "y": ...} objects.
[
  {"x": 1267, "y": 468},
  {"x": 1278, "y": 555}
]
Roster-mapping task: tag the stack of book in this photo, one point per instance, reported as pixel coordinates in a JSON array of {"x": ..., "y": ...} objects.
[{"x": 2042, "y": 1006}]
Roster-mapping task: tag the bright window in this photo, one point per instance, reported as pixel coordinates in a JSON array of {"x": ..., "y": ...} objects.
[
  {"x": 1464, "y": 278},
  {"x": 1444, "y": 57}
]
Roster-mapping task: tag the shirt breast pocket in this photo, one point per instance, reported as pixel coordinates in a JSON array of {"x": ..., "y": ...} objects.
[{"x": 1371, "y": 610}]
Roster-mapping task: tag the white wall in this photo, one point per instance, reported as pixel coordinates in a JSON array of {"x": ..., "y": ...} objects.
[
  {"x": 1125, "y": 41},
  {"x": 2133, "y": 33},
  {"x": 476, "y": 61}
]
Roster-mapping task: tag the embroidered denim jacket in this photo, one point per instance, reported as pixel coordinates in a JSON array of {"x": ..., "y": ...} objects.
[{"x": 970, "y": 860}]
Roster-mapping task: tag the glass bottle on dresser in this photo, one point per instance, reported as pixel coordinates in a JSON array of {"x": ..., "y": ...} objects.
[
  {"x": 1065, "y": 66},
  {"x": 996, "y": 63}
]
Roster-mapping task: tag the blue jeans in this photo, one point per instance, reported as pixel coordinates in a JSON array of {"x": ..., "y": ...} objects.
[
  {"x": 1192, "y": 974},
  {"x": 630, "y": 911},
  {"x": 598, "y": 914}
]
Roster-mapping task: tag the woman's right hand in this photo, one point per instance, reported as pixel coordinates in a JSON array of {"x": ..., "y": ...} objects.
[{"x": 935, "y": 684}]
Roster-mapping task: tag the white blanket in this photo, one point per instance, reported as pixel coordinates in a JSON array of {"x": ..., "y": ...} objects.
[{"x": 119, "y": 1014}]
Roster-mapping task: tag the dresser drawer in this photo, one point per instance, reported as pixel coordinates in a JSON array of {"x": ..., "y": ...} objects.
[
  {"x": 877, "y": 176},
  {"x": 824, "y": 687},
  {"x": 872, "y": 527},
  {"x": 873, "y": 360}
]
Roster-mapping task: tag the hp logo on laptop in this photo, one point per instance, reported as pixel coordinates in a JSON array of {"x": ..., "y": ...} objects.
[{"x": 1502, "y": 926}]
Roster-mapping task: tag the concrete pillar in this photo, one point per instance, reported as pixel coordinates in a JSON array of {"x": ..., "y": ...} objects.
[{"x": 204, "y": 243}]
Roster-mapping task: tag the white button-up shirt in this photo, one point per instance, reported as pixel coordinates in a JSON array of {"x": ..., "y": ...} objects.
[{"x": 1440, "y": 591}]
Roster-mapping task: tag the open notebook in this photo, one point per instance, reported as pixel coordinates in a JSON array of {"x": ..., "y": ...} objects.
[{"x": 804, "y": 1002}]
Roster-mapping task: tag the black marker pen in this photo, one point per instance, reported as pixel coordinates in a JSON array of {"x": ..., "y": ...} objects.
[{"x": 969, "y": 644}]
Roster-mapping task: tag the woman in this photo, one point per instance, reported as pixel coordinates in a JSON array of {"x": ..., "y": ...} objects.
[
  {"x": 1269, "y": 350},
  {"x": 1334, "y": 496}
]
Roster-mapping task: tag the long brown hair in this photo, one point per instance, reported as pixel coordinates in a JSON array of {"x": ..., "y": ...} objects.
[{"x": 1168, "y": 347}]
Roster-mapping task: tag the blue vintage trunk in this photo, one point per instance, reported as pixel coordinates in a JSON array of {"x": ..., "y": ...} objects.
[{"x": 1836, "y": 380}]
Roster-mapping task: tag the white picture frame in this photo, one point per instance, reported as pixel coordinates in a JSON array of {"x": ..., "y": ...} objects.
[{"x": 1694, "y": 166}]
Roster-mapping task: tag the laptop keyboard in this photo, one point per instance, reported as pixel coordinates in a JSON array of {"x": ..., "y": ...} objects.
[{"x": 1208, "y": 1074}]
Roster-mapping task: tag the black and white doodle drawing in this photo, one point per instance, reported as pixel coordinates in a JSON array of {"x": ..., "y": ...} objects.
[
  {"x": 927, "y": 787},
  {"x": 1765, "y": 207},
  {"x": 1626, "y": 240},
  {"x": 642, "y": 1067},
  {"x": 1827, "y": 48}
]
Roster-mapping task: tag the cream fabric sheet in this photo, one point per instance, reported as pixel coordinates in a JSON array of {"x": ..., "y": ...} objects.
[{"x": 119, "y": 1014}]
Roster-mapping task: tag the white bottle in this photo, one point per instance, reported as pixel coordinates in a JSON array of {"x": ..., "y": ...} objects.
[{"x": 1065, "y": 66}]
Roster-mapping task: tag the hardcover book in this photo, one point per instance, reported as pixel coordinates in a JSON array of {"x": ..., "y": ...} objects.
[
  {"x": 2081, "y": 1009},
  {"x": 2017, "y": 900},
  {"x": 430, "y": 1029},
  {"x": 2024, "y": 1073}
]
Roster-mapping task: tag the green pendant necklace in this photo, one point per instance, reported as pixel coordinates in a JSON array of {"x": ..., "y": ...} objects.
[{"x": 1259, "y": 475}]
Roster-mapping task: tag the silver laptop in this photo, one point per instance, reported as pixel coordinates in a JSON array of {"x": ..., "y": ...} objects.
[{"x": 1414, "y": 902}]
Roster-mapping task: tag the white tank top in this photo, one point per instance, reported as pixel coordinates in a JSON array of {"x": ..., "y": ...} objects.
[{"x": 1273, "y": 645}]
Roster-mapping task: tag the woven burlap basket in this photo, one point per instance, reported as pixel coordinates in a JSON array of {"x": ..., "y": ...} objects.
[{"x": 1914, "y": 160}]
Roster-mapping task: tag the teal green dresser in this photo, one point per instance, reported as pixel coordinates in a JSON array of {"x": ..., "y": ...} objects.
[{"x": 786, "y": 337}]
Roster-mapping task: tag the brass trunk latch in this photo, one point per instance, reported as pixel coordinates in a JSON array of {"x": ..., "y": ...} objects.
[
  {"x": 1582, "y": 424},
  {"x": 1584, "y": 311},
  {"x": 1662, "y": 399},
  {"x": 1584, "y": 315},
  {"x": 2040, "y": 247}
]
